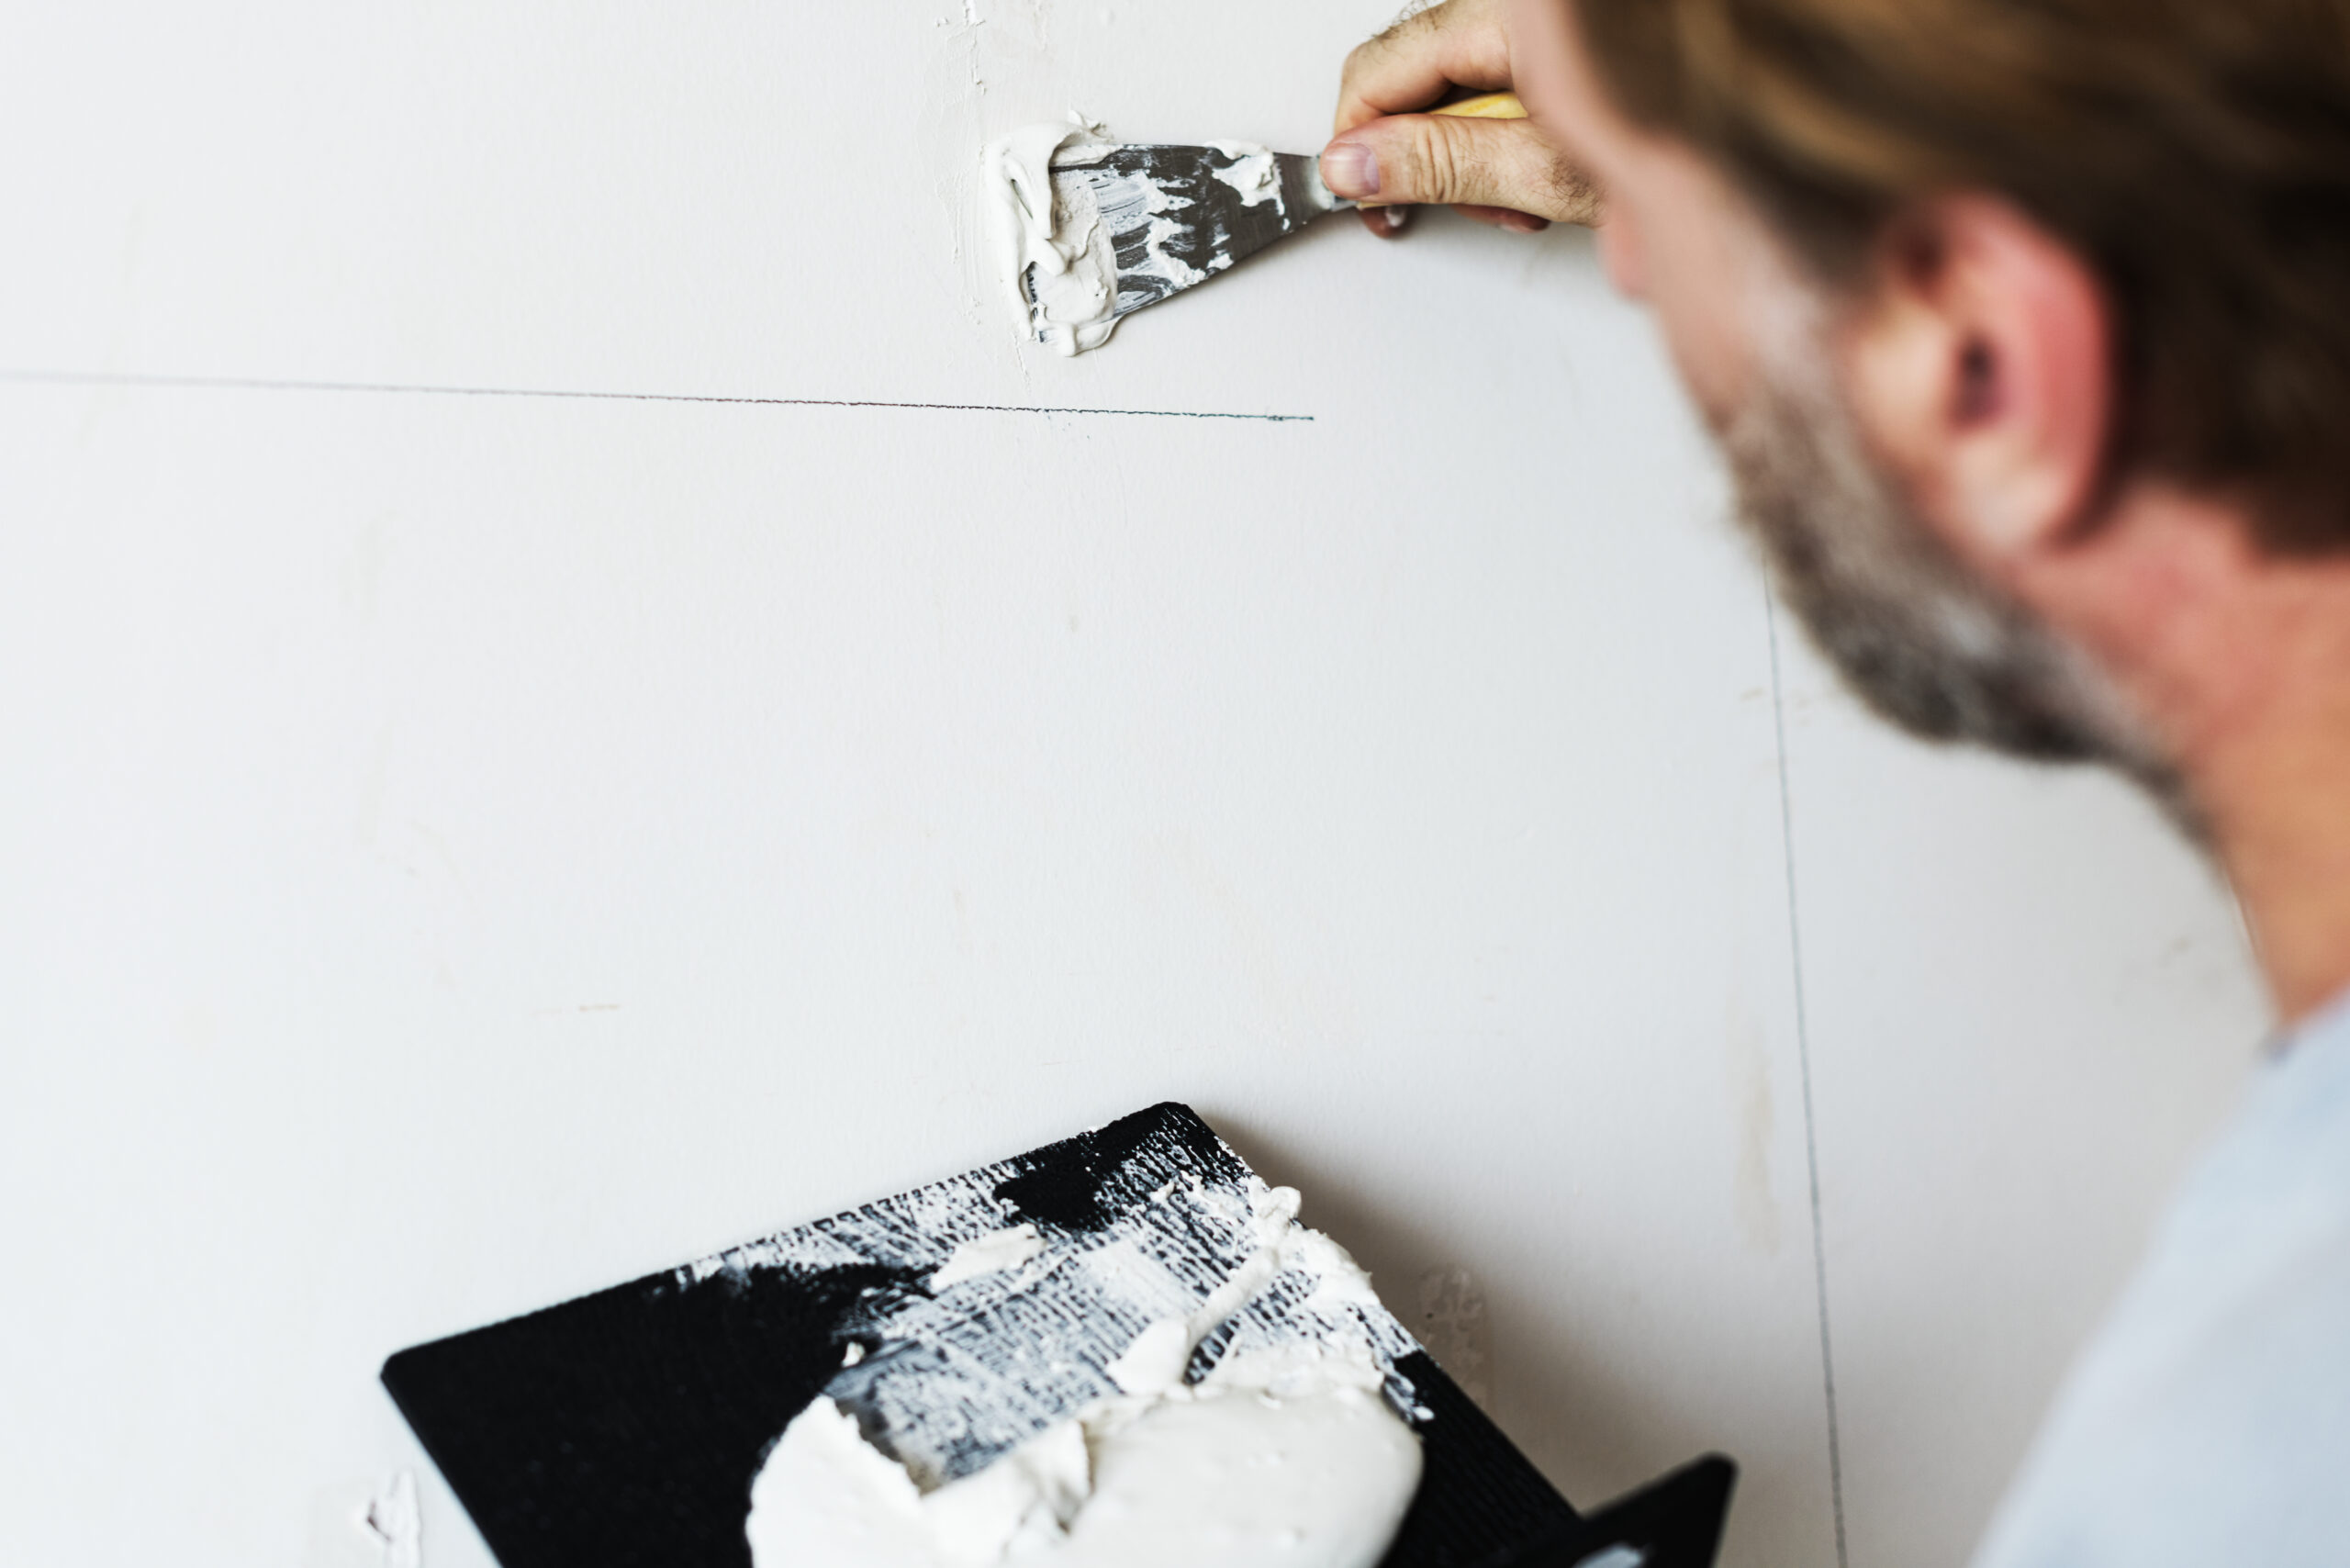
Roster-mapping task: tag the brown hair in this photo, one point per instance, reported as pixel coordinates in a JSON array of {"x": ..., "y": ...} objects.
[{"x": 2196, "y": 152}]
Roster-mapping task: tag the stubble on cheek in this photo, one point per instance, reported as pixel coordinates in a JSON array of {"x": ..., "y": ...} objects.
[{"x": 1925, "y": 640}]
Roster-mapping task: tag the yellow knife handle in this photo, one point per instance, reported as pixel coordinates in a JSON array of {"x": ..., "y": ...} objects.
[{"x": 1485, "y": 105}]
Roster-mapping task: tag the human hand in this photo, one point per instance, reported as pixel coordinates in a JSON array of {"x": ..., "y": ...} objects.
[{"x": 1391, "y": 156}]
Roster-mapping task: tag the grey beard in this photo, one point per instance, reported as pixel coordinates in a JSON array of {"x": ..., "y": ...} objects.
[{"x": 1923, "y": 641}]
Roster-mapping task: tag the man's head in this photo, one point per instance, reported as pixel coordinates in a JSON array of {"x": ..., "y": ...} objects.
[{"x": 1963, "y": 282}]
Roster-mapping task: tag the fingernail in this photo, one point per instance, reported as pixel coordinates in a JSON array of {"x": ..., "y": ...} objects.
[
  {"x": 1394, "y": 217},
  {"x": 1349, "y": 169},
  {"x": 1525, "y": 222}
]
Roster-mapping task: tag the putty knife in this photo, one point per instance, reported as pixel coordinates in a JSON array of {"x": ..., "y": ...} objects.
[{"x": 1178, "y": 216}]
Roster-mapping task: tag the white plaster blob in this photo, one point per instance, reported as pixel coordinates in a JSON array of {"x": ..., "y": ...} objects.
[
  {"x": 1056, "y": 251},
  {"x": 1288, "y": 1457},
  {"x": 990, "y": 1254},
  {"x": 1280, "y": 1456},
  {"x": 394, "y": 1520}
]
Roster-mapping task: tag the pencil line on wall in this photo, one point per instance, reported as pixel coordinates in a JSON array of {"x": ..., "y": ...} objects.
[
  {"x": 1803, "y": 1062},
  {"x": 263, "y": 384}
]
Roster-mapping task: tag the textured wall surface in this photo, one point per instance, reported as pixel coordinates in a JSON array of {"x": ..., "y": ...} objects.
[{"x": 458, "y": 850}]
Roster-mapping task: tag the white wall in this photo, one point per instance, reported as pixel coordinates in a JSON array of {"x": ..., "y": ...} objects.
[{"x": 461, "y": 851}]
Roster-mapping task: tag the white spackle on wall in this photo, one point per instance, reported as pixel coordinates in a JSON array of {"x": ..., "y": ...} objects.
[
  {"x": 366, "y": 1524},
  {"x": 1400, "y": 788},
  {"x": 1053, "y": 242}
]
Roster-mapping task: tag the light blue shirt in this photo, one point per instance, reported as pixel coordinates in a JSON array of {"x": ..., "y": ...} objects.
[{"x": 2209, "y": 1421}]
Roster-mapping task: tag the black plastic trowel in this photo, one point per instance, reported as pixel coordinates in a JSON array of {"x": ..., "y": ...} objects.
[{"x": 627, "y": 1427}]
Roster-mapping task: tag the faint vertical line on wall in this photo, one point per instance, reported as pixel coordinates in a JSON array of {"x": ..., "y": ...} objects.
[{"x": 1803, "y": 1062}]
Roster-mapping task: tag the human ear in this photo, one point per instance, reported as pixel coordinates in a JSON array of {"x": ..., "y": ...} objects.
[{"x": 1979, "y": 369}]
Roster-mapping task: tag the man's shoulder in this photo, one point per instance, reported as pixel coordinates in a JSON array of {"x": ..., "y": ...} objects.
[{"x": 2209, "y": 1419}]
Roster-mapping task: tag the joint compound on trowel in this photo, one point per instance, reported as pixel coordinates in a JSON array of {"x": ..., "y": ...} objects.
[
  {"x": 1090, "y": 230},
  {"x": 928, "y": 1379},
  {"x": 1286, "y": 1453}
]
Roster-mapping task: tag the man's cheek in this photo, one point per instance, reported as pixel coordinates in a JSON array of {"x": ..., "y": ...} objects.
[{"x": 1708, "y": 349}]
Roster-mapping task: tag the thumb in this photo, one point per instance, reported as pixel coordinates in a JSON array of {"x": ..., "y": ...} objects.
[{"x": 1402, "y": 160}]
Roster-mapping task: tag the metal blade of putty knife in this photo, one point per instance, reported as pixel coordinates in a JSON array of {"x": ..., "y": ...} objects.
[{"x": 1178, "y": 216}]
